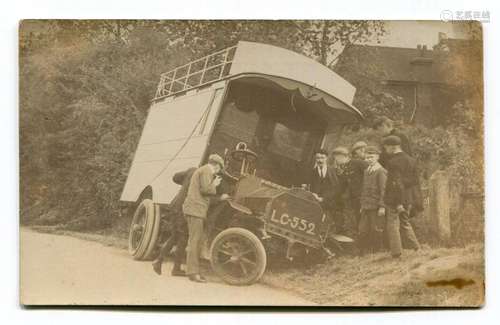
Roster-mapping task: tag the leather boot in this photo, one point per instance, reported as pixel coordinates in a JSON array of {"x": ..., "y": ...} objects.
[{"x": 157, "y": 266}]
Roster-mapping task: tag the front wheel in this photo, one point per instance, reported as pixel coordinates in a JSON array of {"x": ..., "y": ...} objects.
[{"x": 238, "y": 256}]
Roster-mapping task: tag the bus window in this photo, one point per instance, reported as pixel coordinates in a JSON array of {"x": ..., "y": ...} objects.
[{"x": 288, "y": 142}]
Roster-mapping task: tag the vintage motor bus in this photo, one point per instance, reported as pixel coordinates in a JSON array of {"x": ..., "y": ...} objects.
[{"x": 265, "y": 110}]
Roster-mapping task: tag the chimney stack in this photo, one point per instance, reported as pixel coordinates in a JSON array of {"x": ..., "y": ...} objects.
[{"x": 422, "y": 64}]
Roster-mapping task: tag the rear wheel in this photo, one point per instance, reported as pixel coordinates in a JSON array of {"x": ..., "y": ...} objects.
[
  {"x": 144, "y": 230},
  {"x": 238, "y": 256}
]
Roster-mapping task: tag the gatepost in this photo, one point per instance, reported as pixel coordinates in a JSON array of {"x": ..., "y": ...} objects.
[{"x": 439, "y": 205}]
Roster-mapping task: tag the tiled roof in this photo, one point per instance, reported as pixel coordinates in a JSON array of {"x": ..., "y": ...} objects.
[{"x": 391, "y": 63}]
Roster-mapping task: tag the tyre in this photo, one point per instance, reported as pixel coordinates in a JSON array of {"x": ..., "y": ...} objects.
[
  {"x": 151, "y": 250},
  {"x": 144, "y": 230},
  {"x": 238, "y": 256}
]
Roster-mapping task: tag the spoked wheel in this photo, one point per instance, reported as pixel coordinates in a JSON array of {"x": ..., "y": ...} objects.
[
  {"x": 144, "y": 230},
  {"x": 238, "y": 256}
]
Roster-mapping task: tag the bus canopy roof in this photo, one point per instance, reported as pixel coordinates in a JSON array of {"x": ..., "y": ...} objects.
[{"x": 290, "y": 69}]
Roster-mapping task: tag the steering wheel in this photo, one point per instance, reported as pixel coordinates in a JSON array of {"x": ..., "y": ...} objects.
[
  {"x": 243, "y": 155},
  {"x": 242, "y": 152}
]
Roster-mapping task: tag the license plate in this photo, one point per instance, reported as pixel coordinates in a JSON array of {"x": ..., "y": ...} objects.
[{"x": 294, "y": 222}]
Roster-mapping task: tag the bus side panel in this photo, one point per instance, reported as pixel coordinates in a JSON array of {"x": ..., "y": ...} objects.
[{"x": 174, "y": 138}]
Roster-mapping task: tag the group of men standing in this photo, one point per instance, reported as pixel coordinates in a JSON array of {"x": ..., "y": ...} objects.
[{"x": 382, "y": 186}]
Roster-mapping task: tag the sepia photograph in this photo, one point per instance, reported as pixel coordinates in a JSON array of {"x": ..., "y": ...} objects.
[{"x": 260, "y": 163}]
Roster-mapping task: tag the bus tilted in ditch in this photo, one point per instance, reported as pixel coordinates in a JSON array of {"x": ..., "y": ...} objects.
[{"x": 264, "y": 109}]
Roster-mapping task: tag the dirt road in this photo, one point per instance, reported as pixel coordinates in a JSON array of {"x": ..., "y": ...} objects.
[{"x": 59, "y": 269}]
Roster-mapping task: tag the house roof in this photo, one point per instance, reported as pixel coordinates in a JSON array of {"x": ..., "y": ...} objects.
[{"x": 392, "y": 63}]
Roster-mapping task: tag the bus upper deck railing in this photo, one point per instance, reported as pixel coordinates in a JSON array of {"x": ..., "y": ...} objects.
[{"x": 210, "y": 68}]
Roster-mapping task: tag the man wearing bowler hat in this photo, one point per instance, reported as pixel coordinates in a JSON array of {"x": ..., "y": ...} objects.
[
  {"x": 323, "y": 180},
  {"x": 323, "y": 183}
]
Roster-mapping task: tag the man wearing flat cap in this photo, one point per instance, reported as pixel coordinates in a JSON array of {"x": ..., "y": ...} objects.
[
  {"x": 372, "y": 221},
  {"x": 401, "y": 171},
  {"x": 350, "y": 175},
  {"x": 385, "y": 127},
  {"x": 358, "y": 150},
  {"x": 202, "y": 187}
]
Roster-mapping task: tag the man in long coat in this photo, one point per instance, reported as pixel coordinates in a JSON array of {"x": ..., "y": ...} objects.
[
  {"x": 400, "y": 180},
  {"x": 202, "y": 187}
]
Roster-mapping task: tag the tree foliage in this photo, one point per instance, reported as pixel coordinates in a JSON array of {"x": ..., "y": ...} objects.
[{"x": 325, "y": 39}]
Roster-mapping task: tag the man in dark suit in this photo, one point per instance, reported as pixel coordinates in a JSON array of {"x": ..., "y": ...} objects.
[
  {"x": 179, "y": 232},
  {"x": 401, "y": 169},
  {"x": 323, "y": 184},
  {"x": 385, "y": 127},
  {"x": 322, "y": 179}
]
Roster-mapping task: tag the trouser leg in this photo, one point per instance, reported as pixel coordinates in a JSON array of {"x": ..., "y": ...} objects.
[
  {"x": 356, "y": 207},
  {"x": 339, "y": 220},
  {"x": 195, "y": 229},
  {"x": 364, "y": 232},
  {"x": 166, "y": 248},
  {"x": 392, "y": 230},
  {"x": 179, "y": 226},
  {"x": 181, "y": 229},
  {"x": 378, "y": 224},
  {"x": 180, "y": 252},
  {"x": 407, "y": 232}
]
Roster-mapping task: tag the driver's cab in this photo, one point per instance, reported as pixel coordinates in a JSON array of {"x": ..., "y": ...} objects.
[{"x": 274, "y": 124}]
